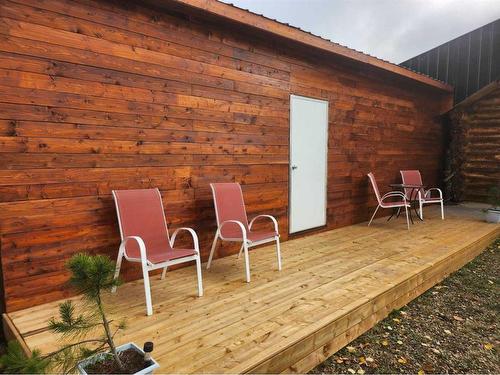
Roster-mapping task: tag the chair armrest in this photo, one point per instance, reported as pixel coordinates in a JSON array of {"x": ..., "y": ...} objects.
[
  {"x": 140, "y": 242},
  {"x": 193, "y": 235},
  {"x": 240, "y": 224},
  {"x": 433, "y": 189},
  {"x": 393, "y": 194},
  {"x": 273, "y": 219}
]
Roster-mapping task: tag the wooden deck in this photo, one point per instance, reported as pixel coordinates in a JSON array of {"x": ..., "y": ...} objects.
[{"x": 334, "y": 286}]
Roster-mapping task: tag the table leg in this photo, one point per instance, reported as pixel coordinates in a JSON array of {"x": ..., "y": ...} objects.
[
  {"x": 416, "y": 212},
  {"x": 411, "y": 202},
  {"x": 394, "y": 211}
]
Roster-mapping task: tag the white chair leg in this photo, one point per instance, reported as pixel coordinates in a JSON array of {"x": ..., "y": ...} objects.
[
  {"x": 278, "y": 252},
  {"x": 214, "y": 243},
  {"x": 147, "y": 290},
  {"x": 241, "y": 250},
  {"x": 374, "y": 213},
  {"x": 164, "y": 273},
  {"x": 407, "y": 220},
  {"x": 247, "y": 261},
  {"x": 198, "y": 274},
  {"x": 118, "y": 266},
  {"x": 442, "y": 211},
  {"x": 421, "y": 210}
]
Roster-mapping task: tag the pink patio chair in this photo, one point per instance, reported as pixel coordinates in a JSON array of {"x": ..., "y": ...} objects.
[
  {"x": 145, "y": 237},
  {"x": 402, "y": 202},
  {"x": 413, "y": 177},
  {"x": 232, "y": 223}
]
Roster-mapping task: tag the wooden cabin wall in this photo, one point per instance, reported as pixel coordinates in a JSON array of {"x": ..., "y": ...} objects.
[
  {"x": 474, "y": 154},
  {"x": 98, "y": 96}
]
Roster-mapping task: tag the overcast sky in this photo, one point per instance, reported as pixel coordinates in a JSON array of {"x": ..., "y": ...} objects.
[{"x": 393, "y": 30}]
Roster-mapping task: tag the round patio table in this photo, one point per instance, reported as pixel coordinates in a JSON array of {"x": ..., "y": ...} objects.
[{"x": 414, "y": 188}]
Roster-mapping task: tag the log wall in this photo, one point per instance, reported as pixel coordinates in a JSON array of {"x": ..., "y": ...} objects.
[
  {"x": 474, "y": 154},
  {"x": 98, "y": 95}
]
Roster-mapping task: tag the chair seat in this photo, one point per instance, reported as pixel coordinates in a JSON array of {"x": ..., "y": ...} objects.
[
  {"x": 164, "y": 256},
  {"x": 260, "y": 236}
]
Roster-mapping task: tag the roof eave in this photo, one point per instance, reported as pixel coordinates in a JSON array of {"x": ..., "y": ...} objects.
[
  {"x": 262, "y": 23},
  {"x": 478, "y": 95}
]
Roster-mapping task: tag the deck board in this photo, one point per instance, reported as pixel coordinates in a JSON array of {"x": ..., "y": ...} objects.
[{"x": 334, "y": 286}]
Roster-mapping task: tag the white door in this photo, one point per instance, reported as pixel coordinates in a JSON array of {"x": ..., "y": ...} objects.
[{"x": 308, "y": 162}]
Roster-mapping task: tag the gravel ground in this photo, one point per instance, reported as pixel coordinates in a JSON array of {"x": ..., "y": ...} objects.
[{"x": 451, "y": 328}]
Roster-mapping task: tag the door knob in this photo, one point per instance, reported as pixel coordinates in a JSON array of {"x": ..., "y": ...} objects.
[{"x": 294, "y": 167}]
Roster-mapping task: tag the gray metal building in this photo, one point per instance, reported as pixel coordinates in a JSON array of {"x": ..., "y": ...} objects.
[{"x": 468, "y": 62}]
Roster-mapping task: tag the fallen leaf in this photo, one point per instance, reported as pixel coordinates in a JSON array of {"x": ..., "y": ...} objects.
[
  {"x": 447, "y": 331},
  {"x": 421, "y": 372},
  {"x": 385, "y": 342},
  {"x": 389, "y": 328},
  {"x": 396, "y": 320},
  {"x": 402, "y": 360},
  {"x": 351, "y": 349},
  {"x": 488, "y": 346},
  {"x": 457, "y": 318},
  {"x": 424, "y": 344},
  {"x": 360, "y": 371},
  {"x": 339, "y": 360},
  {"x": 435, "y": 350},
  {"x": 400, "y": 342},
  {"x": 403, "y": 312},
  {"x": 428, "y": 337},
  {"x": 427, "y": 367},
  {"x": 369, "y": 359},
  {"x": 362, "y": 360},
  {"x": 351, "y": 370},
  {"x": 491, "y": 282}
]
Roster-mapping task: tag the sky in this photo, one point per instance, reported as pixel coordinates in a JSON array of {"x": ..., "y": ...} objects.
[{"x": 394, "y": 30}]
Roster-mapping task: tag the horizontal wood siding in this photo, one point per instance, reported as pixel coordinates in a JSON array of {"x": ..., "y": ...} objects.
[
  {"x": 475, "y": 148},
  {"x": 96, "y": 96}
]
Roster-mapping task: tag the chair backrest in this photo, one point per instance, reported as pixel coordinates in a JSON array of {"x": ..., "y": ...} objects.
[
  {"x": 411, "y": 177},
  {"x": 140, "y": 213},
  {"x": 229, "y": 205},
  {"x": 375, "y": 187}
]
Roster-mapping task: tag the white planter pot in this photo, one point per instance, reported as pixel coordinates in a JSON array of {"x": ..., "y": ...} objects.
[
  {"x": 493, "y": 215},
  {"x": 148, "y": 370}
]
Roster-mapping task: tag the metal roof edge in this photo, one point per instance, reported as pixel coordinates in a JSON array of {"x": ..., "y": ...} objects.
[{"x": 263, "y": 23}]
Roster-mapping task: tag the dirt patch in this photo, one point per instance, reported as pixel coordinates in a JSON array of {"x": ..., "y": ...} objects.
[
  {"x": 132, "y": 360},
  {"x": 451, "y": 328}
]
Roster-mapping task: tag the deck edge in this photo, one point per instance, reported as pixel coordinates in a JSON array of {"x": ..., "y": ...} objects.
[
  {"x": 322, "y": 351},
  {"x": 12, "y": 334}
]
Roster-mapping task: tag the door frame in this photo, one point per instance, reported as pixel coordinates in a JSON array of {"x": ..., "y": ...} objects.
[{"x": 298, "y": 233}]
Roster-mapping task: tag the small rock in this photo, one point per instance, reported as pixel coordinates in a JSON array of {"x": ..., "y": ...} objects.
[{"x": 402, "y": 360}]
